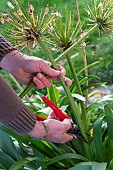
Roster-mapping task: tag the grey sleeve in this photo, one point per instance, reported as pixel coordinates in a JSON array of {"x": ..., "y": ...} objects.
[
  {"x": 5, "y": 47},
  {"x": 13, "y": 113}
]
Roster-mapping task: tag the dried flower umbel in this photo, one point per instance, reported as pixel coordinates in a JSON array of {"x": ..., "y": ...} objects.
[
  {"x": 25, "y": 26},
  {"x": 63, "y": 34},
  {"x": 101, "y": 12}
]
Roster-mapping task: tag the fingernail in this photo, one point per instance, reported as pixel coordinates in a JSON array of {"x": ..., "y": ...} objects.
[{"x": 39, "y": 75}]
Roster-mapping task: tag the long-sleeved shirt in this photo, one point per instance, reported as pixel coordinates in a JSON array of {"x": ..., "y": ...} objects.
[{"x": 13, "y": 113}]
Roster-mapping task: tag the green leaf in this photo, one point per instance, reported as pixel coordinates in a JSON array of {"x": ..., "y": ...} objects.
[
  {"x": 78, "y": 96},
  {"x": 99, "y": 166},
  {"x": 22, "y": 162},
  {"x": 53, "y": 94},
  {"x": 5, "y": 160},
  {"x": 98, "y": 140},
  {"x": 93, "y": 85},
  {"x": 110, "y": 167},
  {"x": 90, "y": 166},
  {"x": 7, "y": 145},
  {"x": 63, "y": 101},
  {"x": 44, "y": 112},
  {"x": 82, "y": 81},
  {"x": 90, "y": 77},
  {"x": 64, "y": 108},
  {"x": 41, "y": 146},
  {"x": 82, "y": 166},
  {"x": 106, "y": 98},
  {"x": 109, "y": 120},
  {"x": 65, "y": 156},
  {"x": 90, "y": 65}
]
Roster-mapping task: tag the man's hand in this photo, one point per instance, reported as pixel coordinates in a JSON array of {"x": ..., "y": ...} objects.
[
  {"x": 56, "y": 131},
  {"x": 27, "y": 68}
]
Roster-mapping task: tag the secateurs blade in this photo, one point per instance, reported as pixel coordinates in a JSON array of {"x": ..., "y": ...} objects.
[{"x": 74, "y": 130}]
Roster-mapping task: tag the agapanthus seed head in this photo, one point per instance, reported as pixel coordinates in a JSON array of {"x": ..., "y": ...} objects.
[
  {"x": 26, "y": 28},
  {"x": 63, "y": 34},
  {"x": 101, "y": 13}
]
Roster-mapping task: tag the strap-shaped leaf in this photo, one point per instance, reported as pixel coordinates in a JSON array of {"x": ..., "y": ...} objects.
[
  {"x": 7, "y": 145},
  {"x": 82, "y": 166},
  {"x": 99, "y": 166},
  {"x": 22, "y": 162},
  {"x": 90, "y": 166},
  {"x": 5, "y": 161},
  {"x": 53, "y": 94},
  {"x": 98, "y": 140},
  {"x": 109, "y": 119},
  {"x": 65, "y": 156},
  {"x": 110, "y": 167}
]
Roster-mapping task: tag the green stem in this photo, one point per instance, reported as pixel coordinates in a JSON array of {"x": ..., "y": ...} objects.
[
  {"x": 26, "y": 90},
  {"x": 77, "y": 42},
  {"x": 75, "y": 115},
  {"x": 78, "y": 88}
]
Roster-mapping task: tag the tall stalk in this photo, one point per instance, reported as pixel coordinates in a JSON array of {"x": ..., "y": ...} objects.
[
  {"x": 86, "y": 147},
  {"x": 75, "y": 114},
  {"x": 26, "y": 90},
  {"x": 78, "y": 88},
  {"x": 83, "y": 49}
]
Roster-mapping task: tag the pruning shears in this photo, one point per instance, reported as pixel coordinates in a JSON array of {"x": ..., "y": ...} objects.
[{"x": 74, "y": 130}]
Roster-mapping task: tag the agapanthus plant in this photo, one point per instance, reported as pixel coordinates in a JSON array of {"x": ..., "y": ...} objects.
[{"x": 28, "y": 29}]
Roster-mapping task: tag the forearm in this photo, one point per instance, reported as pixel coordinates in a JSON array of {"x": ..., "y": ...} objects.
[{"x": 13, "y": 113}]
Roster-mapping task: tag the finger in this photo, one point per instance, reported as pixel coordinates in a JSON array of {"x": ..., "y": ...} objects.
[
  {"x": 38, "y": 83},
  {"x": 67, "y": 138},
  {"x": 51, "y": 115},
  {"x": 62, "y": 70},
  {"x": 45, "y": 68},
  {"x": 44, "y": 80},
  {"x": 67, "y": 124},
  {"x": 68, "y": 81}
]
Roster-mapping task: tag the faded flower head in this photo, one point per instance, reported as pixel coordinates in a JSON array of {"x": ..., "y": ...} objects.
[
  {"x": 24, "y": 26},
  {"x": 63, "y": 34},
  {"x": 101, "y": 12}
]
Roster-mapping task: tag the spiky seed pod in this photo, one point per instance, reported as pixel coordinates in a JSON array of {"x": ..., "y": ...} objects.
[
  {"x": 25, "y": 27},
  {"x": 63, "y": 34},
  {"x": 101, "y": 13}
]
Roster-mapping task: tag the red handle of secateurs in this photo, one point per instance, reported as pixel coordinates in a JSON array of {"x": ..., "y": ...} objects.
[
  {"x": 56, "y": 110},
  {"x": 40, "y": 118}
]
